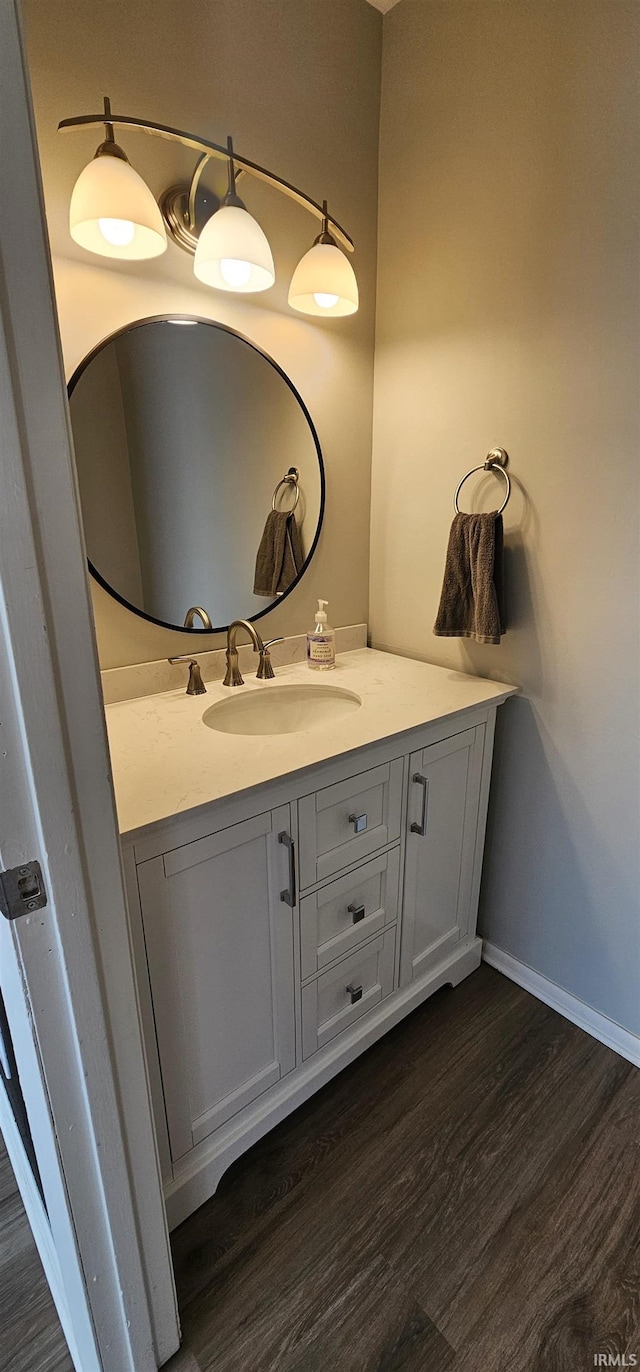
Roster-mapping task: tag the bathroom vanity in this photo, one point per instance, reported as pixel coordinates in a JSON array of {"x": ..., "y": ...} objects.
[
  {"x": 302, "y": 855},
  {"x": 293, "y": 895}
]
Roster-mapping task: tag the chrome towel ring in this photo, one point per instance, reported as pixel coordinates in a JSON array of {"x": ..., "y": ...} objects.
[
  {"x": 291, "y": 479},
  {"x": 496, "y": 462}
]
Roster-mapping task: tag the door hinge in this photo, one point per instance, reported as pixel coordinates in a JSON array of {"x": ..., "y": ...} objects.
[{"x": 22, "y": 890}]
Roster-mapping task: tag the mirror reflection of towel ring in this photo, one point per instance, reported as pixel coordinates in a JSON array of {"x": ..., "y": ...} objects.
[
  {"x": 496, "y": 462},
  {"x": 291, "y": 479}
]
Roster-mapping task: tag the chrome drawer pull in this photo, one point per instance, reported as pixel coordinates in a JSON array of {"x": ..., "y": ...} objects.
[
  {"x": 289, "y": 897},
  {"x": 355, "y": 992},
  {"x": 359, "y": 823},
  {"x": 419, "y": 780},
  {"x": 357, "y": 913}
]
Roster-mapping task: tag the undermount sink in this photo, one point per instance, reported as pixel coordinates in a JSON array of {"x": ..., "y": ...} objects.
[{"x": 281, "y": 709}]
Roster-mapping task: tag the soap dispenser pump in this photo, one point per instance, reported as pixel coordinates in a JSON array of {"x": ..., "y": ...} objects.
[{"x": 321, "y": 644}]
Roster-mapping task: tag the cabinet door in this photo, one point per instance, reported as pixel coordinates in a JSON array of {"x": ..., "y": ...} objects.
[
  {"x": 219, "y": 936},
  {"x": 442, "y": 814}
]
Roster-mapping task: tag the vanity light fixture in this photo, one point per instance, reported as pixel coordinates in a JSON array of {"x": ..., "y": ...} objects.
[
  {"x": 324, "y": 282},
  {"x": 114, "y": 214},
  {"x": 233, "y": 253}
]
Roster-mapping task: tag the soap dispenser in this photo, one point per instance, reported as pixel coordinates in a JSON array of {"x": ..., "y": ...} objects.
[{"x": 321, "y": 644}]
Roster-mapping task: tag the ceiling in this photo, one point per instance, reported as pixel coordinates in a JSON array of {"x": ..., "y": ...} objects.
[{"x": 383, "y": 5}]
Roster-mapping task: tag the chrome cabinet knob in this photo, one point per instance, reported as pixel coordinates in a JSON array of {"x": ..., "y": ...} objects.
[{"x": 359, "y": 823}]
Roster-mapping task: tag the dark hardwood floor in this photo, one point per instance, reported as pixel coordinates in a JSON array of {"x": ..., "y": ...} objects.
[
  {"x": 465, "y": 1196},
  {"x": 31, "y": 1339}
]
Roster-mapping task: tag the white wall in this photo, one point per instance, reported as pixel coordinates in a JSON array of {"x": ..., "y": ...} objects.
[
  {"x": 297, "y": 83},
  {"x": 509, "y": 252}
]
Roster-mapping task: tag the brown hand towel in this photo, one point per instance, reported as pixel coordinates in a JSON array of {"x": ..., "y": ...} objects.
[
  {"x": 279, "y": 556},
  {"x": 471, "y": 604}
]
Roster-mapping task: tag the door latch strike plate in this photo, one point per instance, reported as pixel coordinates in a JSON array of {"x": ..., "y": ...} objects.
[{"x": 22, "y": 890}]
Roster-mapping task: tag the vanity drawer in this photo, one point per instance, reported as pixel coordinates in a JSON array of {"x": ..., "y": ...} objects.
[
  {"x": 344, "y": 823},
  {"x": 339, "y": 997},
  {"x": 343, "y": 914}
]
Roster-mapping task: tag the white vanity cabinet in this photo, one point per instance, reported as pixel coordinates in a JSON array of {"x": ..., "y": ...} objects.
[
  {"x": 280, "y": 933},
  {"x": 439, "y": 909},
  {"x": 219, "y": 941}
]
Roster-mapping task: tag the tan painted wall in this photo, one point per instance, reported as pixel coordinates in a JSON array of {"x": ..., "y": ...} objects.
[
  {"x": 298, "y": 86},
  {"x": 509, "y": 253}
]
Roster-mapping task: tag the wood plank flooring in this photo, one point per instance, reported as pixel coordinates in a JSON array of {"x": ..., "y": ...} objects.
[
  {"x": 31, "y": 1339},
  {"x": 466, "y": 1196}
]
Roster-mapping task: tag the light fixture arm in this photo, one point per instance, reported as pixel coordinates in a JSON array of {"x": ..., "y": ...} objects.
[
  {"x": 193, "y": 188},
  {"x": 109, "y": 147},
  {"x": 108, "y": 126},
  {"x": 235, "y": 162},
  {"x": 232, "y": 197},
  {"x": 325, "y": 236},
  {"x": 195, "y": 182}
]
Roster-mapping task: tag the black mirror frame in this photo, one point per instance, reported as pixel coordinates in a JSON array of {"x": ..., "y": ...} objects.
[{"x": 214, "y": 323}]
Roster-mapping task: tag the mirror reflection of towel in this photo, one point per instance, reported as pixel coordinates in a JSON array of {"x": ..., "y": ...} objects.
[
  {"x": 472, "y": 602},
  {"x": 279, "y": 556}
]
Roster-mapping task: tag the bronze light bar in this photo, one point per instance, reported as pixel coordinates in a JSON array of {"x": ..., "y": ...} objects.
[{"x": 178, "y": 203}]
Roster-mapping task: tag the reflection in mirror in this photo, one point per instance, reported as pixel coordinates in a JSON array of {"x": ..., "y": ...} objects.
[{"x": 187, "y": 438}]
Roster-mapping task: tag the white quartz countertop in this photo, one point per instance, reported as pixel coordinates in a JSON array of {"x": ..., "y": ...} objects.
[{"x": 166, "y": 761}]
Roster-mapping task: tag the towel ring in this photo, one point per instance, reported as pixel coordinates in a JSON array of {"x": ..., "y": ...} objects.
[
  {"x": 291, "y": 479},
  {"x": 496, "y": 462}
]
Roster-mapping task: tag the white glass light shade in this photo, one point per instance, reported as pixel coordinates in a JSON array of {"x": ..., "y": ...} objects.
[
  {"x": 113, "y": 212},
  {"x": 324, "y": 282},
  {"x": 233, "y": 253}
]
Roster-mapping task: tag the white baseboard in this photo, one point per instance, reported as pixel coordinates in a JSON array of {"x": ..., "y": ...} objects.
[{"x": 605, "y": 1030}]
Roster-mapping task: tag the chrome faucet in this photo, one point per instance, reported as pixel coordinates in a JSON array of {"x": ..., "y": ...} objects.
[
  {"x": 233, "y": 676},
  {"x": 202, "y": 614},
  {"x": 195, "y": 685}
]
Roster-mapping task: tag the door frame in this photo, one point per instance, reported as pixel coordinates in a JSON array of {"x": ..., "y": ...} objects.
[{"x": 72, "y": 1004}]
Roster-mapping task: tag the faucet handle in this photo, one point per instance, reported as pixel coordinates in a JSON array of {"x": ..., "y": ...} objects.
[
  {"x": 195, "y": 686},
  {"x": 265, "y": 670}
]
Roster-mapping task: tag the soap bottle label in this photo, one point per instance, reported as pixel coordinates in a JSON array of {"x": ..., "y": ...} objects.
[{"x": 320, "y": 649}]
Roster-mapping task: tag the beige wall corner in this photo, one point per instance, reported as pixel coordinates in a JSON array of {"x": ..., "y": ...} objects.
[{"x": 508, "y": 314}]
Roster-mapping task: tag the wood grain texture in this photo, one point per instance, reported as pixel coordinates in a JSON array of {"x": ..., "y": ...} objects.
[
  {"x": 466, "y": 1195},
  {"x": 31, "y": 1339}
]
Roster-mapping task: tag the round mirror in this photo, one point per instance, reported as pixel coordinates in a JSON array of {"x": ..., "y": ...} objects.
[{"x": 200, "y": 472}]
